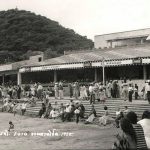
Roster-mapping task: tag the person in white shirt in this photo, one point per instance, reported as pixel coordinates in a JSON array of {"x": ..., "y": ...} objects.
[
  {"x": 145, "y": 123},
  {"x": 54, "y": 113},
  {"x": 23, "y": 108},
  {"x": 91, "y": 91},
  {"x": 77, "y": 113},
  {"x": 67, "y": 112}
]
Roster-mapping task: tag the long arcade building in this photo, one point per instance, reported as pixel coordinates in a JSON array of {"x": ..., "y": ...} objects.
[
  {"x": 127, "y": 56},
  {"x": 133, "y": 63}
]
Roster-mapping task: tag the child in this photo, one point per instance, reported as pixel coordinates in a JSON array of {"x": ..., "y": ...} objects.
[
  {"x": 11, "y": 126},
  {"x": 77, "y": 113}
]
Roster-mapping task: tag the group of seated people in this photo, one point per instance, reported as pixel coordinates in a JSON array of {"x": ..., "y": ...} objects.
[
  {"x": 66, "y": 112},
  {"x": 134, "y": 134}
]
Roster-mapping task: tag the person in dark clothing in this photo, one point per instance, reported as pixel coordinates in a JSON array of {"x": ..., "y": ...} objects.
[
  {"x": 136, "y": 91},
  {"x": 130, "y": 90},
  {"x": 11, "y": 125},
  {"x": 42, "y": 110},
  {"x": 148, "y": 92},
  {"x": 82, "y": 110},
  {"x": 19, "y": 92},
  {"x": 48, "y": 110},
  {"x": 70, "y": 90},
  {"x": 62, "y": 112}
]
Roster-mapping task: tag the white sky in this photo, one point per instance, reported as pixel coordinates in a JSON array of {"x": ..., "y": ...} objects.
[{"x": 89, "y": 17}]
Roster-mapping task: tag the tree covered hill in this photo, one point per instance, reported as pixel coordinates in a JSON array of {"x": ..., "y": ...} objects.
[{"x": 22, "y": 31}]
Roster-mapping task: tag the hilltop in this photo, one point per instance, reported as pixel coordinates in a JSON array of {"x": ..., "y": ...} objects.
[{"x": 23, "y": 32}]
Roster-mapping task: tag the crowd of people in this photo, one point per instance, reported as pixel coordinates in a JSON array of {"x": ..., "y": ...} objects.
[
  {"x": 94, "y": 91},
  {"x": 66, "y": 112},
  {"x": 125, "y": 119}
]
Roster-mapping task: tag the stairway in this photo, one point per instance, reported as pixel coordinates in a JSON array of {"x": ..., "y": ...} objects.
[{"x": 138, "y": 106}]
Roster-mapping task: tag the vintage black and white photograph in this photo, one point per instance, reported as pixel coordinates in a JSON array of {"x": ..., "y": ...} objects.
[{"x": 74, "y": 74}]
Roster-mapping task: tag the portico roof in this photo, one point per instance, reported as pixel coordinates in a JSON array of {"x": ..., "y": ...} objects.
[{"x": 120, "y": 53}]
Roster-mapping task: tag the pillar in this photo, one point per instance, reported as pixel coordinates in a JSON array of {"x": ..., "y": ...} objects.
[
  {"x": 55, "y": 76},
  {"x": 95, "y": 77},
  {"x": 142, "y": 41},
  {"x": 19, "y": 78},
  {"x": 144, "y": 72},
  {"x": 3, "y": 79}
]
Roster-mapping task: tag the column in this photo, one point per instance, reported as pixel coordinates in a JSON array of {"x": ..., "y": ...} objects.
[
  {"x": 95, "y": 77},
  {"x": 19, "y": 78},
  {"x": 142, "y": 41},
  {"x": 55, "y": 76},
  {"x": 3, "y": 79},
  {"x": 144, "y": 72}
]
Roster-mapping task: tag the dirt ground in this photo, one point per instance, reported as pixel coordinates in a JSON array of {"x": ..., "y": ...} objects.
[{"x": 33, "y": 134}]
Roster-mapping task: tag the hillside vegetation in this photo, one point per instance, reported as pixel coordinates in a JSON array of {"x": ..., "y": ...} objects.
[{"x": 22, "y": 32}]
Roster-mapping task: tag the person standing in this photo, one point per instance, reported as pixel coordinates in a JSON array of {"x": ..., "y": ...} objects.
[
  {"x": 23, "y": 108},
  {"x": 136, "y": 91},
  {"x": 130, "y": 90},
  {"x": 147, "y": 89},
  {"x": 56, "y": 91},
  {"x": 70, "y": 90},
  {"x": 92, "y": 95},
  {"x": 19, "y": 92},
  {"x": 76, "y": 90},
  {"x": 40, "y": 91},
  {"x": 60, "y": 89},
  {"x": 109, "y": 89}
]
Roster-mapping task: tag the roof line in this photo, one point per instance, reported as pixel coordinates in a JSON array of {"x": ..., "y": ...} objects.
[{"x": 121, "y": 32}]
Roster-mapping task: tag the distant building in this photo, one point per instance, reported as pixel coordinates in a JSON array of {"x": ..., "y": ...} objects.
[{"x": 120, "y": 39}]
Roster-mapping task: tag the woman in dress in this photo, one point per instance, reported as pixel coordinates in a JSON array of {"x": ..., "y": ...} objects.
[
  {"x": 105, "y": 119},
  {"x": 92, "y": 116}
]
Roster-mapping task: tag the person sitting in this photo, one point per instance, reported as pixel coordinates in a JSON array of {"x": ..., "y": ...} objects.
[
  {"x": 77, "y": 113},
  {"x": 67, "y": 113},
  {"x": 119, "y": 116},
  {"x": 62, "y": 112},
  {"x": 54, "y": 113},
  {"x": 126, "y": 110},
  {"x": 92, "y": 115},
  {"x": 145, "y": 123},
  {"x": 48, "y": 110},
  {"x": 11, "y": 126},
  {"x": 23, "y": 108},
  {"x": 127, "y": 139},
  {"x": 42, "y": 110},
  {"x": 82, "y": 110},
  {"x": 105, "y": 119},
  {"x": 33, "y": 101}
]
